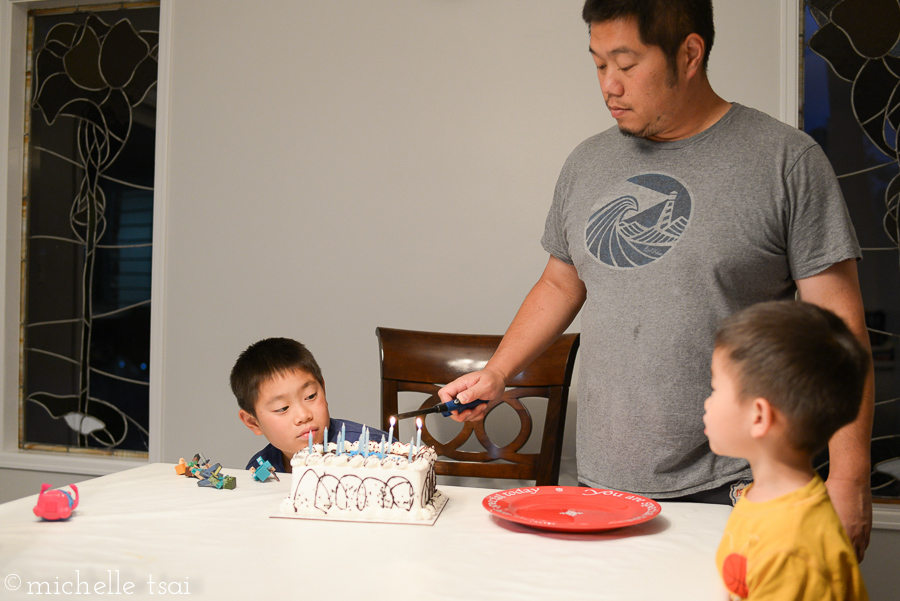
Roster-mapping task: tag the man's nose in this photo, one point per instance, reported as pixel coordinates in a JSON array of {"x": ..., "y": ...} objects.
[{"x": 610, "y": 84}]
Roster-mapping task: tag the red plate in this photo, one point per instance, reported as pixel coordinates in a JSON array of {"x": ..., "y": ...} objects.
[{"x": 571, "y": 508}]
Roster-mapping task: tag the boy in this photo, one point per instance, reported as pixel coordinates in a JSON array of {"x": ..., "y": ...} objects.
[
  {"x": 281, "y": 393},
  {"x": 785, "y": 376}
]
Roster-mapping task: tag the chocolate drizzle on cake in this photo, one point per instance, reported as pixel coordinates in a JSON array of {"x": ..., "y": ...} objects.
[{"x": 352, "y": 492}]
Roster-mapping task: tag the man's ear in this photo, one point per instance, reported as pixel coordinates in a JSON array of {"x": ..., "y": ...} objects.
[
  {"x": 693, "y": 48},
  {"x": 762, "y": 417},
  {"x": 250, "y": 421}
]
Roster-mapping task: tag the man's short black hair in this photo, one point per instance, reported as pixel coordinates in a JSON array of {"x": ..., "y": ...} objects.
[{"x": 661, "y": 23}]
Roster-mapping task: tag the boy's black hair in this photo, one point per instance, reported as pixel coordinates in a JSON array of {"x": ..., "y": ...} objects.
[
  {"x": 801, "y": 358},
  {"x": 264, "y": 360}
]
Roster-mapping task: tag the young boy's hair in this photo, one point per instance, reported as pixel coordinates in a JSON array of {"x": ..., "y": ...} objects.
[
  {"x": 263, "y": 361},
  {"x": 801, "y": 358}
]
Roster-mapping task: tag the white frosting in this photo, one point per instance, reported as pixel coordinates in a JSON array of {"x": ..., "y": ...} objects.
[{"x": 373, "y": 488}]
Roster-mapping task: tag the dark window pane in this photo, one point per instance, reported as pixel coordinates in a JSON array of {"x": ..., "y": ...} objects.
[
  {"x": 89, "y": 229},
  {"x": 850, "y": 101}
]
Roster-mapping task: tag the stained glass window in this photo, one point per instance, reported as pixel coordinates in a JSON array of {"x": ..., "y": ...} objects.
[
  {"x": 87, "y": 229},
  {"x": 851, "y": 72}
]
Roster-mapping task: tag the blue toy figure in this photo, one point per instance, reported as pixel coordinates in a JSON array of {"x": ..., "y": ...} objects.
[{"x": 264, "y": 470}]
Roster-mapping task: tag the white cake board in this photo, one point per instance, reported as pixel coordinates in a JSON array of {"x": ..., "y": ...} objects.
[{"x": 439, "y": 498}]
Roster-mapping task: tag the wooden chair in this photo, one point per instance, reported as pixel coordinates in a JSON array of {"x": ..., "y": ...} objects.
[{"x": 425, "y": 361}]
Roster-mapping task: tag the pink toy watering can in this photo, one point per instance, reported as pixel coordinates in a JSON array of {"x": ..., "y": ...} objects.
[{"x": 56, "y": 504}]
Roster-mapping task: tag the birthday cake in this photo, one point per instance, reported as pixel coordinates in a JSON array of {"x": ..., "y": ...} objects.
[{"x": 373, "y": 483}]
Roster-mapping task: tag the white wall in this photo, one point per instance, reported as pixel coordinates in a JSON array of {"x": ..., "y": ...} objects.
[{"x": 388, "y": 164}]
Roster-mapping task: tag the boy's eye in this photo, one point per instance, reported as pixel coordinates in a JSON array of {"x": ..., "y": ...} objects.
[
  {"x": 312, "y": 397},
  {"x": 282, "y": 409}
]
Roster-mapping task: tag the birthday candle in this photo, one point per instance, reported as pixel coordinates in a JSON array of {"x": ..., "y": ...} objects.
[
  {"x": 364, "y": 442},
  {"x": 410, "y": 449},
  {"x": 381, "y": 452},
  {"x": 418, "y": 433},
  {"x": 391, "y": 431},
  {"x": 309, "y": 445},
  {"x": 340, "y": 443},
  {"x": 325, "y": 441}
]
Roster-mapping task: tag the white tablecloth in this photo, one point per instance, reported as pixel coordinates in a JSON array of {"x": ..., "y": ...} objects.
[{"x": 162, "y": 534}]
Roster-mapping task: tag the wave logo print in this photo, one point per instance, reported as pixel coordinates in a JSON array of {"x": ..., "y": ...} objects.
[{"x": 638, "y": 228}]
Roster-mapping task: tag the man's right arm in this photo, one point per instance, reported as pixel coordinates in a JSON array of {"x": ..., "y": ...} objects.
[{"x": 547, "y": 311}]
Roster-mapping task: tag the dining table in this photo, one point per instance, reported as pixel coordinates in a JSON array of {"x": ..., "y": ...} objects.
[{"x": 150, "y": 533}]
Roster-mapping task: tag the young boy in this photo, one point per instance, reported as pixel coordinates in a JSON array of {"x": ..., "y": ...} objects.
[
  {"x": 281, "y": 393},
  {"x": 785, "y": 376}
]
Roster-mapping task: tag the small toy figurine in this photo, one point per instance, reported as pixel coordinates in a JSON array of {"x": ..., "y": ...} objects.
[
  {"x": 264, "y": 470},
  {"x": 56, "y": 504},
  {"x": 208, "y": 475},
  {"x": 192, "y": 468},
  {"x": 211, "y": 477},
  {"x": 199, "y": 462}
]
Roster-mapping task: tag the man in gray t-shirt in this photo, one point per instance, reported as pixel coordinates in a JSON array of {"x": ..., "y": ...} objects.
[
  {"x": 669, "y": 238},
  {"x": 689, "y": 210}
]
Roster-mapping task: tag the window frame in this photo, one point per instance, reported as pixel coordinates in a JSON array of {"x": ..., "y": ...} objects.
[{"x": 13, "y": 25}]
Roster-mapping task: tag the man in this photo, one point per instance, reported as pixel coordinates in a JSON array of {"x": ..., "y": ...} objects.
[{"x": 688, "y": 210}]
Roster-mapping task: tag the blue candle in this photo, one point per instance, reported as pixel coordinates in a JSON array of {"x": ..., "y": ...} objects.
[
  {"x": 367, "y": 442},
  {"x": 325, "y": 441},
  {"x": 410, "y": 449},
  {"x": 391, "y": 432},
  {"x": 364, "y": 442},
  {"x": 381, "y": 453},
  {"x": 340, "y": 443},
  {"x": 418, "y": 433},
  {"x": 309, "y": 444}
]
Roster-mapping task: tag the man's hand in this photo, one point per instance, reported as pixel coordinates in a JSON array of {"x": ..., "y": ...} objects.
[
  {"x": 484, "y": 384},
  {"x": 852, "y": 501}
]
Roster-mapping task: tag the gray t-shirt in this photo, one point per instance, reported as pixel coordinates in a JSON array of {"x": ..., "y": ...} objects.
[{"x": 669, "y": 239}]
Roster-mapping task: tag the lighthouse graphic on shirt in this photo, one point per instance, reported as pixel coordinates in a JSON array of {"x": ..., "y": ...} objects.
[{"x": 640, "y": 226}]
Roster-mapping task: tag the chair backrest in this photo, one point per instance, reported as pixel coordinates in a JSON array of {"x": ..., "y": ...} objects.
[{"x": 425, "y": 361}]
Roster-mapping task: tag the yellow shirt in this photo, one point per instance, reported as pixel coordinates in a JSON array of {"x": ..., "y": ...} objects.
[{"x": 790, "y": 548}]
